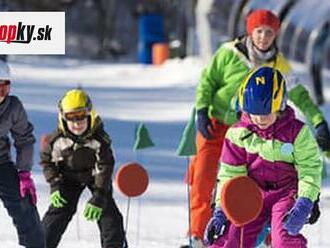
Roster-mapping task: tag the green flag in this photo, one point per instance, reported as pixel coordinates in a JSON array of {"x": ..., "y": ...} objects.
[
  {"x": 142, "y": 138},
  {"x": 187, "y": 145}
]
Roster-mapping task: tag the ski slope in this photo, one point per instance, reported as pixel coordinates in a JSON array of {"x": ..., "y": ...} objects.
[{"x": 125, "y": 94}]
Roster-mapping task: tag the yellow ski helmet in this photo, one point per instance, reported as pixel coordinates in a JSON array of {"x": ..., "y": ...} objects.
[
  {"x": 74, "y": 100},
  {"x": 75, "y": 105}
]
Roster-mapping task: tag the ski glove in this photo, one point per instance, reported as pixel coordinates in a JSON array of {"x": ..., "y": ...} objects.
[
  {"x": 298, "y": 215},
  {"x": 214, "y": 228},
  {"x": 323, "y": 136},
  {"x": 57, "y": 200},
  {"x": 92, "y": 212},
  {"x": 204, "y": 124},
  {"x": 315, "y": 213},
  {"x": 26, "y": 186}
]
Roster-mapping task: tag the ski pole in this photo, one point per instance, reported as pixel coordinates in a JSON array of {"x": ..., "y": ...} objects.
[
  {"x": 242, "y": 237},
  {"x": 188, "y": 197},
  {"x": 138, "y": 222},
  {"x": 127, "y": 213},
  {"x": 78, "y": 224}
]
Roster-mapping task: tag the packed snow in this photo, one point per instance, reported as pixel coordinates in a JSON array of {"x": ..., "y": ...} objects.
[{"x": 124, "y": 95}]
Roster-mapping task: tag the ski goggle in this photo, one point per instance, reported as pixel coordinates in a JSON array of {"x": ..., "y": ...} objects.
[
  {"x": 77, "y": 115},
  {"x": 4, "y": 88}
]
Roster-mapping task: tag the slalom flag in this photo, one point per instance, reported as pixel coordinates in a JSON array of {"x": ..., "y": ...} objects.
[
  {"x": 142, "y": 138},
  {"x": 187, "y": 145}
]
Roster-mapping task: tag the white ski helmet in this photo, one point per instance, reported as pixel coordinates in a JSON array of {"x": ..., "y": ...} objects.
[{"x": 4, "y": 71}]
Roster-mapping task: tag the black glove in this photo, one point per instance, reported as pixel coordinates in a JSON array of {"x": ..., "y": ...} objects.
[
  {"x": 323, "y": 136},
  {"x": 315, "y": 214},
  {"x": 204, "y": 124}
]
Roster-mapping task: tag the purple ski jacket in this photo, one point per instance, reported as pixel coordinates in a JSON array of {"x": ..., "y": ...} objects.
[{"x": 286, "y": 152}]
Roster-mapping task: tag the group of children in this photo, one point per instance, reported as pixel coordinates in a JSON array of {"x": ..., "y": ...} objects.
[{"x": 78, "y": 156}]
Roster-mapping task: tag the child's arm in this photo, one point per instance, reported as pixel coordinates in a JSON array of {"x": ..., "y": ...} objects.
[
  {"x": 103, "y": 172},
  {"x": 105, "y": 164},
  {"x": 233, "y": 160},
  {"x": 22, "y": 133},
  {"x": 309, "y": 166},
  {"x": 50, "y": 169},
  {"x": 307, "y": 160}
]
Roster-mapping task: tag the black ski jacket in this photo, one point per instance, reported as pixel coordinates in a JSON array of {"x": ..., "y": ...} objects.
[{"x": 86, "y": 159}]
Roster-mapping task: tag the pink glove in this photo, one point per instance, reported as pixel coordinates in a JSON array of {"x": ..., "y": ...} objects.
[{"x": 26, "y": 186}]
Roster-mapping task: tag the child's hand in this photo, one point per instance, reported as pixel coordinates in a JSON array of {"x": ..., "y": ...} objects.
[
  {"x": 57, "y": 200},
  {"x": 215, "y": 227},
  {"x": 92, "y": 212},
  {"x": 26, "y": 186},
  {"x": 298, "y": 215}
]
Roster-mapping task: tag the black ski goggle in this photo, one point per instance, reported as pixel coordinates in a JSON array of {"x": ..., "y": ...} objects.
[{"x": 77, "y": 115}]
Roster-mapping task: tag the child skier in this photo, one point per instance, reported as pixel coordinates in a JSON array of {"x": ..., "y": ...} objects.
[
  {"x": 279, "y": 152},
  {"x": 17, "y": 190},
  {"x": 79, "y": 155}
]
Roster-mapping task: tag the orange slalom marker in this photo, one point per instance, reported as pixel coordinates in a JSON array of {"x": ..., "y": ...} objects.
[
  {"x": 132, "y": 179},
  {"x": 241, "y": 200}
]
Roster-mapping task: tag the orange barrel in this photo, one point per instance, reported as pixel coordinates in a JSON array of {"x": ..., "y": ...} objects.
[{"x": 160, "y": 53}]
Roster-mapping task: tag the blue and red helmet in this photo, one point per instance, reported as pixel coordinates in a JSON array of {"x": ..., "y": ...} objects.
[{"x": 263, "y": 92}]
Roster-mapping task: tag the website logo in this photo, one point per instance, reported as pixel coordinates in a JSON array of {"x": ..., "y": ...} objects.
[{"x": 32, "y": 33}]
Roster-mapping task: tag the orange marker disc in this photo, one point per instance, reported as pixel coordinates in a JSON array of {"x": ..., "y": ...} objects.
[
  {"x": 241, "y": 200},
  {"x": 132, "y": 179}
]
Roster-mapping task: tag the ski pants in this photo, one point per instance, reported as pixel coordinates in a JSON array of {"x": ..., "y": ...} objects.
[
  {"x": 56, "y": 220},
  {"x": 23, "y": 213},
  {"x": 202, "y": 177},
  {"x": 277, "y": 204}
]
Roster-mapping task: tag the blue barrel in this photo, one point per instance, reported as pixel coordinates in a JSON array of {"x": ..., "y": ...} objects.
[{"x": 151, "y": 30}]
